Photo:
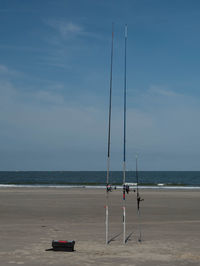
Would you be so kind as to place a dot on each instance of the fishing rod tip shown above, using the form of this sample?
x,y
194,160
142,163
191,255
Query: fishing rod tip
x,y
126,30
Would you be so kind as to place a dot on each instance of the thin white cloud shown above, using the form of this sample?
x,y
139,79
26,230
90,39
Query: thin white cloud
x,y
60,38
21,48
49,97
65,29
5,71
162,91
7,94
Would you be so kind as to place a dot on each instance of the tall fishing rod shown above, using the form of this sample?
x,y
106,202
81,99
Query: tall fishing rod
x,y
138,201
108,189
124,153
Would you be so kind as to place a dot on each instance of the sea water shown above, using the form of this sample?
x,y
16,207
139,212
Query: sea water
x,y
98,178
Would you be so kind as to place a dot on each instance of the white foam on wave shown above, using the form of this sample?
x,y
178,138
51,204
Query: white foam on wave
x,y
95,187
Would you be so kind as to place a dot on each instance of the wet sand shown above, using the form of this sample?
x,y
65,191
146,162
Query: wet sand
x,y
30,218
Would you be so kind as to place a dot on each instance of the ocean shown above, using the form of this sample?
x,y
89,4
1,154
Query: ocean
x,y
98,178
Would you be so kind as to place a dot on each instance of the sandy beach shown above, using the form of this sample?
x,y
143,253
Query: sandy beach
x,y
30,218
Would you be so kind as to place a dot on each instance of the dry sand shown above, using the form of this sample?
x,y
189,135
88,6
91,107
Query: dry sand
x,y
30,218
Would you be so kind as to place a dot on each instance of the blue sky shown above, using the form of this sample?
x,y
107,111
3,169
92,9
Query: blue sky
x,y
54,84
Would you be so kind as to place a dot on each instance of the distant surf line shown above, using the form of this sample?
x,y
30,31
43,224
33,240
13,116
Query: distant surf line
x,y
99,187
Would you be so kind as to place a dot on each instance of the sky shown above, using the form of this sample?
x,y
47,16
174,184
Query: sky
x,y
54,84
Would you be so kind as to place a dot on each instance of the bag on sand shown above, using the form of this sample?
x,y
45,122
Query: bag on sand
x,y
63,245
